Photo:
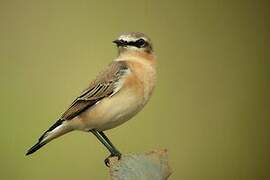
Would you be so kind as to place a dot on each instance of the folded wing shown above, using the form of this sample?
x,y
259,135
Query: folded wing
x,y
106,84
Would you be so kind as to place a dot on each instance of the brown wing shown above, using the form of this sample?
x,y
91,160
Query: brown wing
x,y
103,86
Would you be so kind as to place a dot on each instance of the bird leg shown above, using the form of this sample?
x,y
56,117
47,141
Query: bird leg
x,y
108,144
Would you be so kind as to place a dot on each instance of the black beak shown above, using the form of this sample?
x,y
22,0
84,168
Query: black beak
x,y
119,42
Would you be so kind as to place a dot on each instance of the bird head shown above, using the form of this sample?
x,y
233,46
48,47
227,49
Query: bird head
x,y
134,41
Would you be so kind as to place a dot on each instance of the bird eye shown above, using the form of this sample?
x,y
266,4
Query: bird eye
x,y
140,42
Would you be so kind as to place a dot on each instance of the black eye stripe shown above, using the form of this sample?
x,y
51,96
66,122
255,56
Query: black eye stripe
x,y
139,43
131,43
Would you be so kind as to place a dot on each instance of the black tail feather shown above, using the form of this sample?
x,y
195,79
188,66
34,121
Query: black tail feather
x,y
55,125
36,147
39,144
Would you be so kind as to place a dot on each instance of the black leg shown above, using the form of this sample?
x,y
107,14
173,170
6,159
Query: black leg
x,y
108,144
103,141
107,139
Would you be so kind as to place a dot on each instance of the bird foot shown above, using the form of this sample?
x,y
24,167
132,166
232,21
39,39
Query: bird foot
x,y
107,160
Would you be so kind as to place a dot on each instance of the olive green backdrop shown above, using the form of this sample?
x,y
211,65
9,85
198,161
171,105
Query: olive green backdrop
x,y
210,108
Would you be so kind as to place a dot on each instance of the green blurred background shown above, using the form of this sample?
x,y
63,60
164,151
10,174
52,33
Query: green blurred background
x,y
210,108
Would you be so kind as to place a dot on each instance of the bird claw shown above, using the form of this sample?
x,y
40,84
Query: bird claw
x,y
107,160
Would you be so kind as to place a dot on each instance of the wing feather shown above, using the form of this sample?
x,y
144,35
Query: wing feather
x,y
103,86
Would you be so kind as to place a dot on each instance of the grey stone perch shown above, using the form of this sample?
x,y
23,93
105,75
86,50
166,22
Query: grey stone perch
x,y
152,165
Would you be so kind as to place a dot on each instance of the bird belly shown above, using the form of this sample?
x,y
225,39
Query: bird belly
x,y
112,111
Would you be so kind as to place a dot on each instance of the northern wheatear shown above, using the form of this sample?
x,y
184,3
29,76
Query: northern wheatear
x,y
117,94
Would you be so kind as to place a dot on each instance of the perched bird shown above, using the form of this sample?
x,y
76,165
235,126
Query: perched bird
x,y
119,92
